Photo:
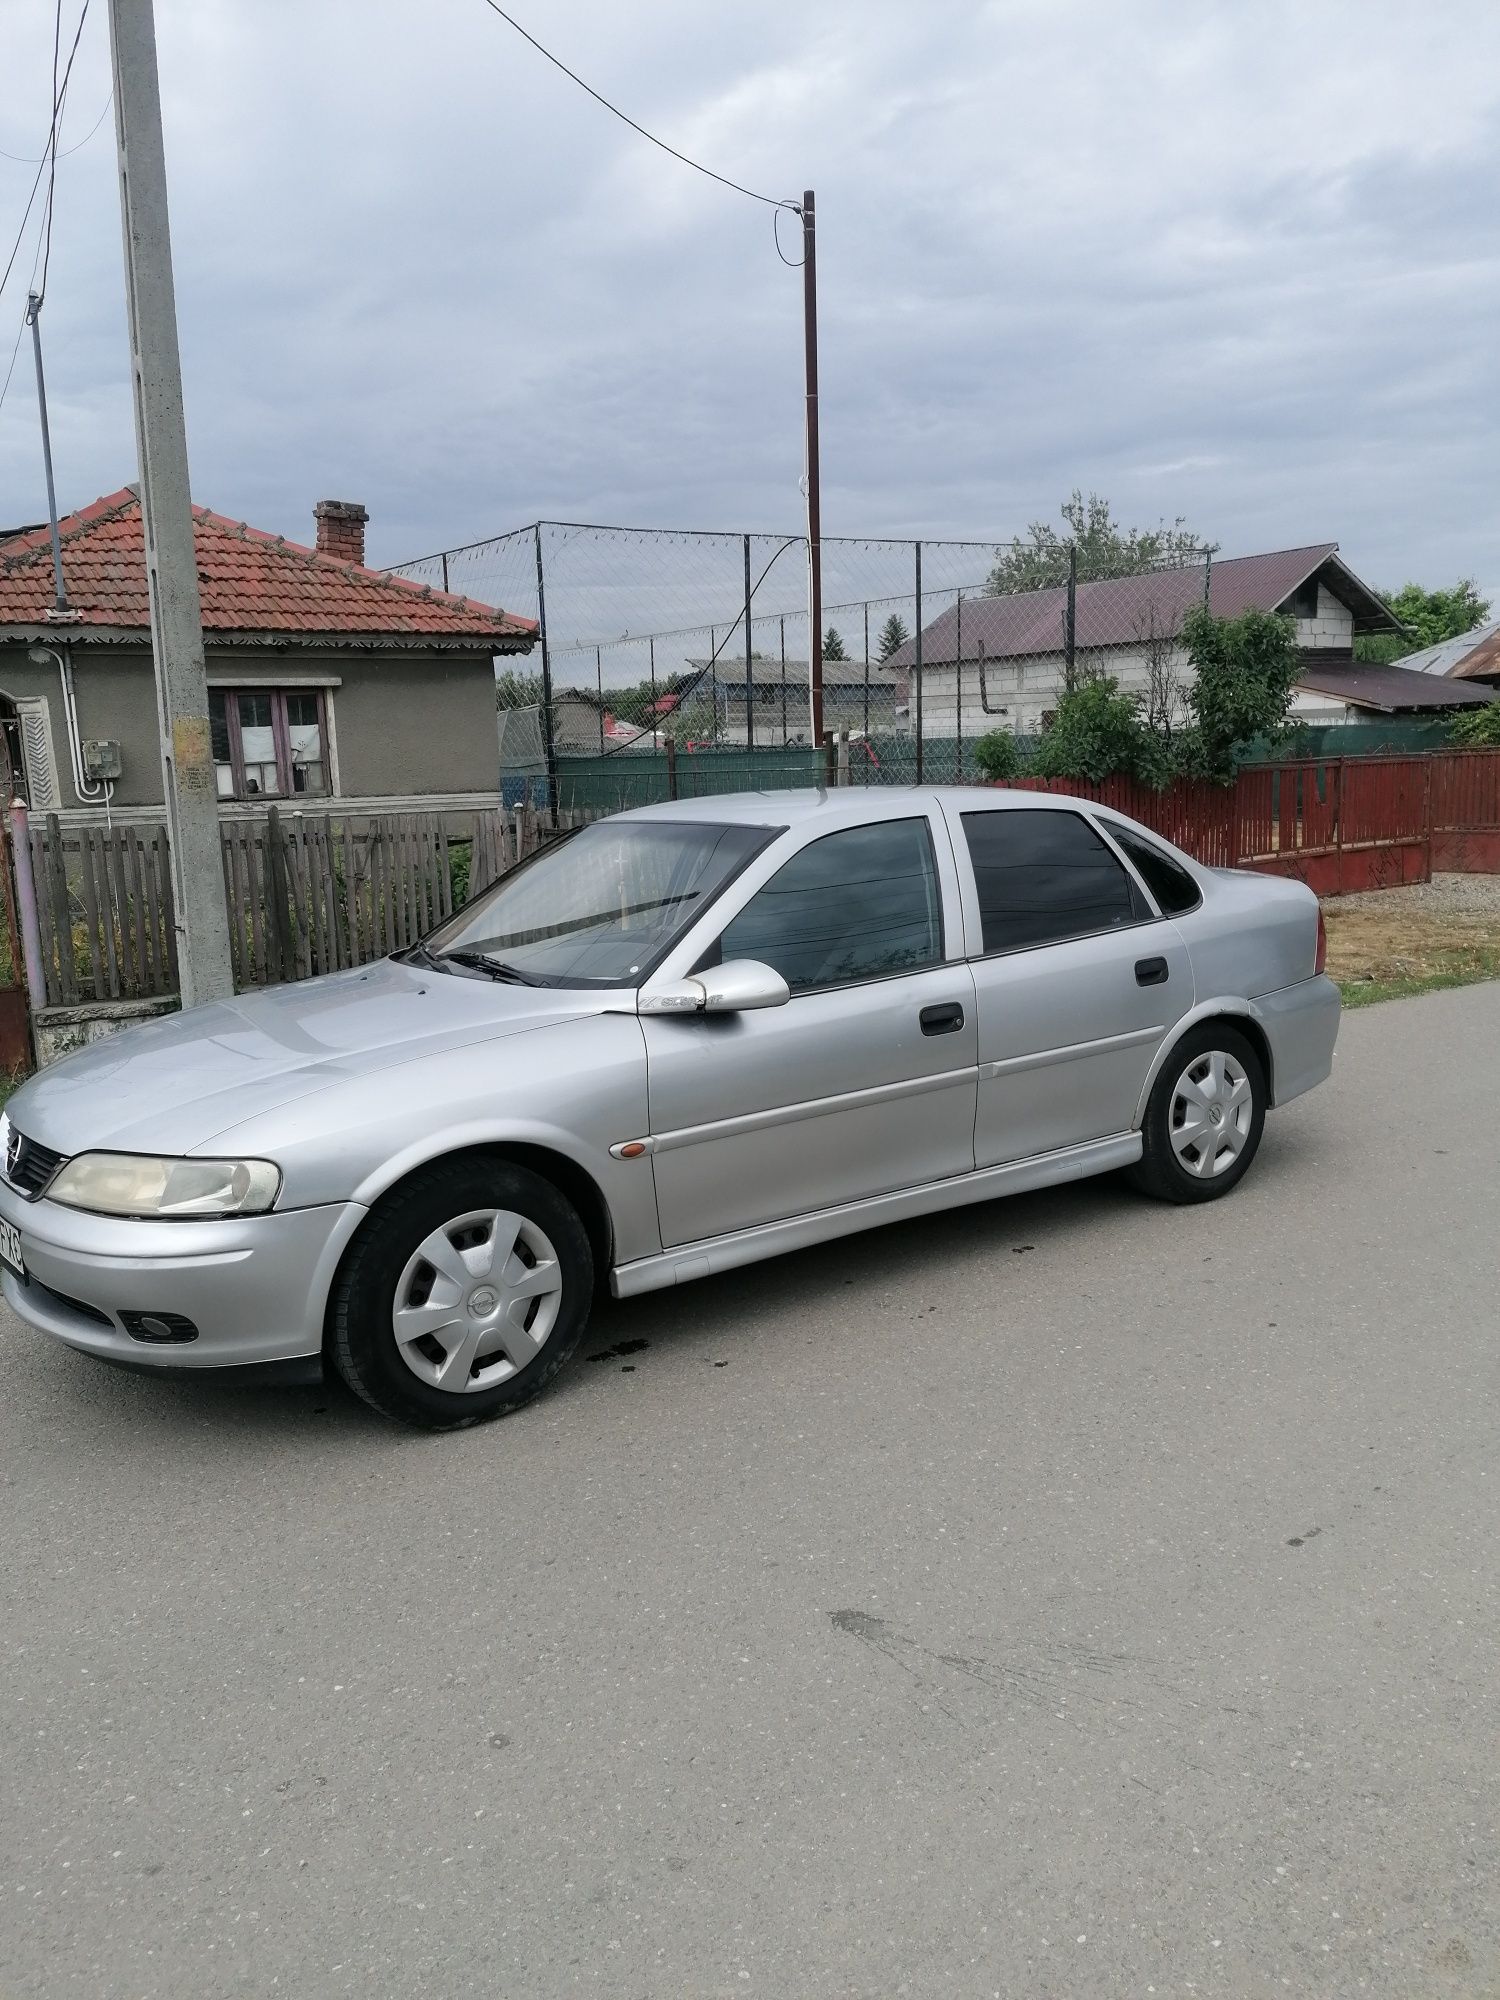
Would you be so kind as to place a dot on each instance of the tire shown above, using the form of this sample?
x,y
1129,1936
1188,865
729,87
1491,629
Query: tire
x,y
1213,1068
464,1293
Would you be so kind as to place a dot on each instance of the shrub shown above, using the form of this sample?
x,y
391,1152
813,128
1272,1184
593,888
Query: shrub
x,y
998,755
1244,671
1099,733
1479,729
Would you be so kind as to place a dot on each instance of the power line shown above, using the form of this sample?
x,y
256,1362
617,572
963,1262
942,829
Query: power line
x,y
771,201
52,141
57,103
32,159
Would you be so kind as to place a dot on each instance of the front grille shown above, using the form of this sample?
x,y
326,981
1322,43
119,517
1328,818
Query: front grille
x,y
29,1167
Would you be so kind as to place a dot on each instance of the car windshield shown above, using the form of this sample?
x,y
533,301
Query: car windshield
x,y
600,908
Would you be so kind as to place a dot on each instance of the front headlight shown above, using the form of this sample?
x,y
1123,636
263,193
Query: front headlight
x,y
139,1184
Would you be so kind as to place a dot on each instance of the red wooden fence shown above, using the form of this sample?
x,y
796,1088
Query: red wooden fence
x,y
1338,824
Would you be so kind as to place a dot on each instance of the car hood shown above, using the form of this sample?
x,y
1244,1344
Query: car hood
x,y
171,1085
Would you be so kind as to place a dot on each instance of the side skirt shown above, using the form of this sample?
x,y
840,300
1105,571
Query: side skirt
x,y
687,1261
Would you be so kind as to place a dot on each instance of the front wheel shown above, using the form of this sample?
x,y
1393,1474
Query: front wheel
x,y
464,1293
1205,1116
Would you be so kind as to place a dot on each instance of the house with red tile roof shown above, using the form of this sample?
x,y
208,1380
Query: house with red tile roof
x,y
330,683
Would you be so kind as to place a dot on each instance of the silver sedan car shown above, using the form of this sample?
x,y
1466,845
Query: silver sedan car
x,y
680,1040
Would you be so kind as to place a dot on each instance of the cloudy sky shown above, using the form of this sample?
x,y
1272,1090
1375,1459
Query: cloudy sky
x,y
1234,260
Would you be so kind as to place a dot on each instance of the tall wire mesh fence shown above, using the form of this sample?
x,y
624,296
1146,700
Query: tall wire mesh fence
x,y
676,662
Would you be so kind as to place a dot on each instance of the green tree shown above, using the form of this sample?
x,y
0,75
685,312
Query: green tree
x,y
893,636
998,755
1479,729
1099,733
517,690
1430,616
1244,672
1104,548
833,645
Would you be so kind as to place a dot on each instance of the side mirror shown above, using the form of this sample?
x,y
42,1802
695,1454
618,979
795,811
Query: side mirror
x,y
735,988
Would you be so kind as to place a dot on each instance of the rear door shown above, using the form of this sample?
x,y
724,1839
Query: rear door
x,y
865,1081
1078,978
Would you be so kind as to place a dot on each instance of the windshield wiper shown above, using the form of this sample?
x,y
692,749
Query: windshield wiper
x,y
493,968
472,961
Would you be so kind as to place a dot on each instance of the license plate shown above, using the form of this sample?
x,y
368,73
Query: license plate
x,y
10,1249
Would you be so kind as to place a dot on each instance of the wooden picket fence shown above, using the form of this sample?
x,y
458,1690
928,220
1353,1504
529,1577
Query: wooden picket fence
x,y
104,911
305,893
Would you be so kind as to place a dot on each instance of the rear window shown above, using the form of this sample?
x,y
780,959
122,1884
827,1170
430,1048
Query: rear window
x,y
1169,882
1046,875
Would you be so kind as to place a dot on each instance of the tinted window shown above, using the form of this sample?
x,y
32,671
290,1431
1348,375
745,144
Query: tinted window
x,y
1043,876
854,905
1171,885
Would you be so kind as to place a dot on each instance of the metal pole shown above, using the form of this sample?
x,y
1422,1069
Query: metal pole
x,y
549,741
34,321
749,670
783,684
599,692
814,497
444,560
31,930
866,772
917,662
191,791
958,675
655,718
1071,616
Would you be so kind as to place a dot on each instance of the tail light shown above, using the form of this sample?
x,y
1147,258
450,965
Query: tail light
x,y
1320,962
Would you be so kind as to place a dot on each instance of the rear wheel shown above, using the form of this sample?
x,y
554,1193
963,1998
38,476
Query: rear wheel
x,y
465,1292
1205,1116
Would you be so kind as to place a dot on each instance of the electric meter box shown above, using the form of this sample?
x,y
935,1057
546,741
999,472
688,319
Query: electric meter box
x,y
101,758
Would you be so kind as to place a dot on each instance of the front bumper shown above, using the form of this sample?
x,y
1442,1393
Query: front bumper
x,y
255,1286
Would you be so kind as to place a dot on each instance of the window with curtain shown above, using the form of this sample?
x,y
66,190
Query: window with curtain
x,y
269,743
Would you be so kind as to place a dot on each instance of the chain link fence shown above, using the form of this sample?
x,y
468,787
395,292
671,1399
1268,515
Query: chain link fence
x,y
676,662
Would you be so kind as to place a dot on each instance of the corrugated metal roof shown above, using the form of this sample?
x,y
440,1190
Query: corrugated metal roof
x,y
1391,690
1120,611
251,584
1467,657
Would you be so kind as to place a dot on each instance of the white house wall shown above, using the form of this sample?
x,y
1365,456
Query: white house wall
x,y
1029,688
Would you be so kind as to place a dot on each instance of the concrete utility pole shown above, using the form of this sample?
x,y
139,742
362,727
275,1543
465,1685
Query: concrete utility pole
x,y
166,512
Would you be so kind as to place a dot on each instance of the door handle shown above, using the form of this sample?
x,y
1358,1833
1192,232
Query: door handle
x,y
1151,972
946,1018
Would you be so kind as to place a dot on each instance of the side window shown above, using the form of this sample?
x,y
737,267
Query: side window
x,y
853,905
1169,882
1043,876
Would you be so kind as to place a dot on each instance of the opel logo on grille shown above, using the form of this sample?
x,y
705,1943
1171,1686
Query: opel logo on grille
x,y
12,1152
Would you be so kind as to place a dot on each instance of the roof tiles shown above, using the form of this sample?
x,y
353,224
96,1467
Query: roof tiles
x,y
250,584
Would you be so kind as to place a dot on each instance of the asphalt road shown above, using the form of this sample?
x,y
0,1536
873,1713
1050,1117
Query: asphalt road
x,y
1065,1597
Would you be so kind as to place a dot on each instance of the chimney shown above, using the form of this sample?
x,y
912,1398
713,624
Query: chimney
x,y
341,530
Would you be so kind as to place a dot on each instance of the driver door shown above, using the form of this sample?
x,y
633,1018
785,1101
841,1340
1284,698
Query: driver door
x,y
864,1082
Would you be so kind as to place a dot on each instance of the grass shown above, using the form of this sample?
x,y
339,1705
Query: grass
x,y
1469,965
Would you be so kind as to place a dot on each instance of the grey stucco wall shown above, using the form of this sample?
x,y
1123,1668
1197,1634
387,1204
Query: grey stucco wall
x,y
417,725
116,700
402,724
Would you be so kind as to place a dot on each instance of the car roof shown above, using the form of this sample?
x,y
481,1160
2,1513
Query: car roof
x,y
845,805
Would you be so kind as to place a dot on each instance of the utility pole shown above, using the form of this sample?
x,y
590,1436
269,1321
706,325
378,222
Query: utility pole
x,y
190,790
814,500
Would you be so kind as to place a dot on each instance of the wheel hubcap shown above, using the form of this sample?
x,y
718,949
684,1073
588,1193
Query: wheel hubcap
x,y
1212,1106
477,1300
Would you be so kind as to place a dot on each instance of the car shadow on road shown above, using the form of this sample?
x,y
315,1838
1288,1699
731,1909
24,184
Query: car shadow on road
x,y
59,1389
